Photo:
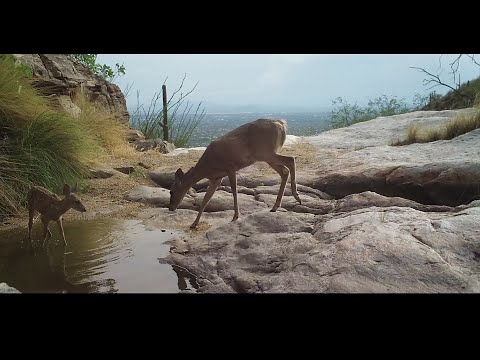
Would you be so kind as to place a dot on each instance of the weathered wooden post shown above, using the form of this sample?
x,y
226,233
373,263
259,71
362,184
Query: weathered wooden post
x,y
165,115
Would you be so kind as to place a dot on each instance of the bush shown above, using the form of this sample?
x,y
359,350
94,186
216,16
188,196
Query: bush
x,y
346,114
104,70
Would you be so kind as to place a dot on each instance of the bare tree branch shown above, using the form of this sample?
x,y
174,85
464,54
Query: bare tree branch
x,y
454,66
436,79
472,57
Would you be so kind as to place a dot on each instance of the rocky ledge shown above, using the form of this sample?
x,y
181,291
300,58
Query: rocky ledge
x,y
374,218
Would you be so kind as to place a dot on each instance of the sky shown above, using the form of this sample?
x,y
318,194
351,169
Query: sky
x,y
283,82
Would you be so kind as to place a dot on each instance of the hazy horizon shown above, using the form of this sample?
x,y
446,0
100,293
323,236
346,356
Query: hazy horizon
x,y
281,83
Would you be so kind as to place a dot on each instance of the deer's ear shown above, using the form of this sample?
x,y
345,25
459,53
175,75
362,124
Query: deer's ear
x,y
179,174
67,189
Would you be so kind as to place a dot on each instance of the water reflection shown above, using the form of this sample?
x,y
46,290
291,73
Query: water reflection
x,y
183,275
106,256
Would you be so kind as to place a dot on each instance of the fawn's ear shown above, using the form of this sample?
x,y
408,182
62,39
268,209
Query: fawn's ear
x,y
67,189
179,174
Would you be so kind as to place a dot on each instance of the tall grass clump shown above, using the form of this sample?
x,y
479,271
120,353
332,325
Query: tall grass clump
x,y
102,126
40,145
451,129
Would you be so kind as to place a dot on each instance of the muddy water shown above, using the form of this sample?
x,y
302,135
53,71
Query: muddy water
x,y
101,256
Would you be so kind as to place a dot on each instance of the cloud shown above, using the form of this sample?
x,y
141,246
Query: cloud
x,y
280,68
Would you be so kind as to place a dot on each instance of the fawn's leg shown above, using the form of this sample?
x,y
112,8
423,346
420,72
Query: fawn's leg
x,y
46,231
212,187
232,177
283,172
31,212
60,227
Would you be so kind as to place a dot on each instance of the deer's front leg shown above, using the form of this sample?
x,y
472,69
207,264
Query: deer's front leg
x,y
60,227
31,213
46,232
212,187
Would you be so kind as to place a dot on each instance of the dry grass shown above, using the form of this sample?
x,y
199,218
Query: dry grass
x,y
451,129
103,126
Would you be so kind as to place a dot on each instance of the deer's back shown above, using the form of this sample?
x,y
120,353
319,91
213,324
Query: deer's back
x,y
42,199
254,141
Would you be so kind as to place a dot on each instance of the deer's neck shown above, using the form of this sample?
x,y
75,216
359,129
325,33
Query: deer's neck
x,y
62,207
196,174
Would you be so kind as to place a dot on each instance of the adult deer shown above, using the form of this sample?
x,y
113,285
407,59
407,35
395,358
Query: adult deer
x,y
51,208
259,140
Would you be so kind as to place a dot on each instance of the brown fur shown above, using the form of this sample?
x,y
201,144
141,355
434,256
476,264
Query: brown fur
x,y
51,208
259,140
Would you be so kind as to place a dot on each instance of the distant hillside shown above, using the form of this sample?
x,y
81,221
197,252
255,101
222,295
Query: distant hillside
x,y
466,96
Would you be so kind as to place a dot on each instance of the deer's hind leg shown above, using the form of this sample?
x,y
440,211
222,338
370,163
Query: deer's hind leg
x,y
31,213
46,231
232,177
283,172
289,162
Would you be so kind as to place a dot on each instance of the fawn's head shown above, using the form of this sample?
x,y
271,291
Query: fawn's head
x,y
178,190
73,199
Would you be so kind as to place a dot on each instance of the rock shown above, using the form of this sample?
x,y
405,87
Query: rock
x,y
382,130
182,218
125,169
134,135
157,197
153,144
290,140
368,199
223,200
417,234
391,249
179,151
58,75
288,191
162,178
5,289
100,173
359,158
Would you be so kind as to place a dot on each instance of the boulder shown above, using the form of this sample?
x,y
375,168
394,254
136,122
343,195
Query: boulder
x,y
60,77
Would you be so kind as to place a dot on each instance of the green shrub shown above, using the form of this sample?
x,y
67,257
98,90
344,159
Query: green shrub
x,y
345,114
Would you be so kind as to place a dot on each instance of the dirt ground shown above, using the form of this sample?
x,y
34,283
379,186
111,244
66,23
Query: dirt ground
x,y
105,197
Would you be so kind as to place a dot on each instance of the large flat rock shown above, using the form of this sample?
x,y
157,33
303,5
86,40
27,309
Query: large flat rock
x,y
360,158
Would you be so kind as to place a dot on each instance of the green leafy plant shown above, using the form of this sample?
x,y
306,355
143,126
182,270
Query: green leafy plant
x,y
345,114
103,70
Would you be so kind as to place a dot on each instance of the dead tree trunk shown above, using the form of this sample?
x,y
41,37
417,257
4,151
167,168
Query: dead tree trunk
x,y
165,113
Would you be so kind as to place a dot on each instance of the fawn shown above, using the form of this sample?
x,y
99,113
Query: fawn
x,y
51,208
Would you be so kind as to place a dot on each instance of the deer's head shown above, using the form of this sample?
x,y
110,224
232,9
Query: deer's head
x,y
73,199
177,190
